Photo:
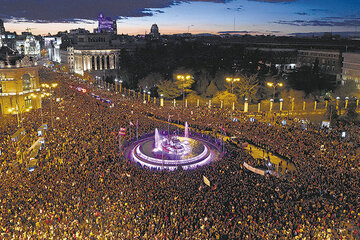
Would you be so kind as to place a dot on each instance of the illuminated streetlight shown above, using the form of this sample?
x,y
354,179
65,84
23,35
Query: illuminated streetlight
x,y
273,85
232,80
183,78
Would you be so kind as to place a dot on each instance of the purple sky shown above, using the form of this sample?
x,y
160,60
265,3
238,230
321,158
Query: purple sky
x,y
279,17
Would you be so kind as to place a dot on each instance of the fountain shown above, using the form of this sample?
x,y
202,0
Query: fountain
x,y
164,151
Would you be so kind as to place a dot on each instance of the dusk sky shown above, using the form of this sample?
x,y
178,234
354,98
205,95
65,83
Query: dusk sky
x,y
279,17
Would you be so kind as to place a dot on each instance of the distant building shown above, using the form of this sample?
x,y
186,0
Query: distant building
x,y
106,25
154,32
351,68
79,31
329,62
67,58
2,28
28,45
52,48
284,59
19,82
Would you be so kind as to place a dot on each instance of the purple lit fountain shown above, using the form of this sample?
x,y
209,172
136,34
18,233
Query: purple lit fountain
x,y
163,151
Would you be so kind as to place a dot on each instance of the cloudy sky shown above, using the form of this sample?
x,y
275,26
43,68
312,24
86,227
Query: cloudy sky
x,y
278,17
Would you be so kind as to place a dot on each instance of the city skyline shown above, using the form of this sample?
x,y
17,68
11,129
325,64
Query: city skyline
x,y
277,17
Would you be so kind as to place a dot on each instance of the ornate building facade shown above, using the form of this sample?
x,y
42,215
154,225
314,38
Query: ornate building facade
x,y
19,83
95,60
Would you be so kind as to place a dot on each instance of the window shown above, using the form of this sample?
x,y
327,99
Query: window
x,y
0,88
27,101
26,82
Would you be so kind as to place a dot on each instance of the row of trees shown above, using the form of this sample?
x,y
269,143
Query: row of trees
x,y
155,67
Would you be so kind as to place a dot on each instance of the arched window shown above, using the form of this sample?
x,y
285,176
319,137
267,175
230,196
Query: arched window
x,y
0,88
26,82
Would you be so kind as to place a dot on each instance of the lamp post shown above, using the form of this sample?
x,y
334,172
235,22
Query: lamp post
x,y
273,85
183,78
161,100
120,89
232,80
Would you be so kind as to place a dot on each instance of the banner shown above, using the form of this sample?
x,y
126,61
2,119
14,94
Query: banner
x,y
206,181
254,170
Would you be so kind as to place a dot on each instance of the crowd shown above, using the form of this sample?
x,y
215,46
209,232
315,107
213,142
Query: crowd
x,y
84,188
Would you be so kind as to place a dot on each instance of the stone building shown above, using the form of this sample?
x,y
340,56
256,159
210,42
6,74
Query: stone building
x,y
95,60
330,62
351,68
19,83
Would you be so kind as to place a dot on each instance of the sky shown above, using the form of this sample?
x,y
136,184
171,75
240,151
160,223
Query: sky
x,y
277,17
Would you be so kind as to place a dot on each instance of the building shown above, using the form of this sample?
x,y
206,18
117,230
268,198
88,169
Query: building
x,y
330,62
19,83
106,25
67,58
28,45
2,28
284,59
351,68
154,32
52,48
95,60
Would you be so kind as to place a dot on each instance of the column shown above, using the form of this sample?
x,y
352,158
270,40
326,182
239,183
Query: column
x,y
89,62
246,106
115,61
259,107
100,57
105,62
111,58
95,62
315,103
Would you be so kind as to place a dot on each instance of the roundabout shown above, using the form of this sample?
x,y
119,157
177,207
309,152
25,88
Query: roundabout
x,y
163,151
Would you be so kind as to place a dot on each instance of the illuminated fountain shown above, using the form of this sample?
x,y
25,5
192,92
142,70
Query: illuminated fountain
x,y
164,151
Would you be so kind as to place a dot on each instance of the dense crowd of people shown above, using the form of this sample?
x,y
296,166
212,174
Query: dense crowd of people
x,y
84,188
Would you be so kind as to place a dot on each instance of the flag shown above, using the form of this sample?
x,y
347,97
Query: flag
x,y
206,181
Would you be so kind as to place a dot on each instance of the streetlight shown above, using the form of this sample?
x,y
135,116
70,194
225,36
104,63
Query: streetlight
x,y
273,85
232,80
183,78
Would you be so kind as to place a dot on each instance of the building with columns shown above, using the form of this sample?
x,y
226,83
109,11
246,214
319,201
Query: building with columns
x,y
95,60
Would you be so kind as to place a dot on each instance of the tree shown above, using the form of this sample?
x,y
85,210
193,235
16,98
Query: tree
x,y
211,90
183,79
168,89
247,87
309,79
346,90
201,81
150,80
226,97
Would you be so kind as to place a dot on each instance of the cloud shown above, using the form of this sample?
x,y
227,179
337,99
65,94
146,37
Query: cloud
x,y
273,1
238,32
319,10
237,9
322,23
55,11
